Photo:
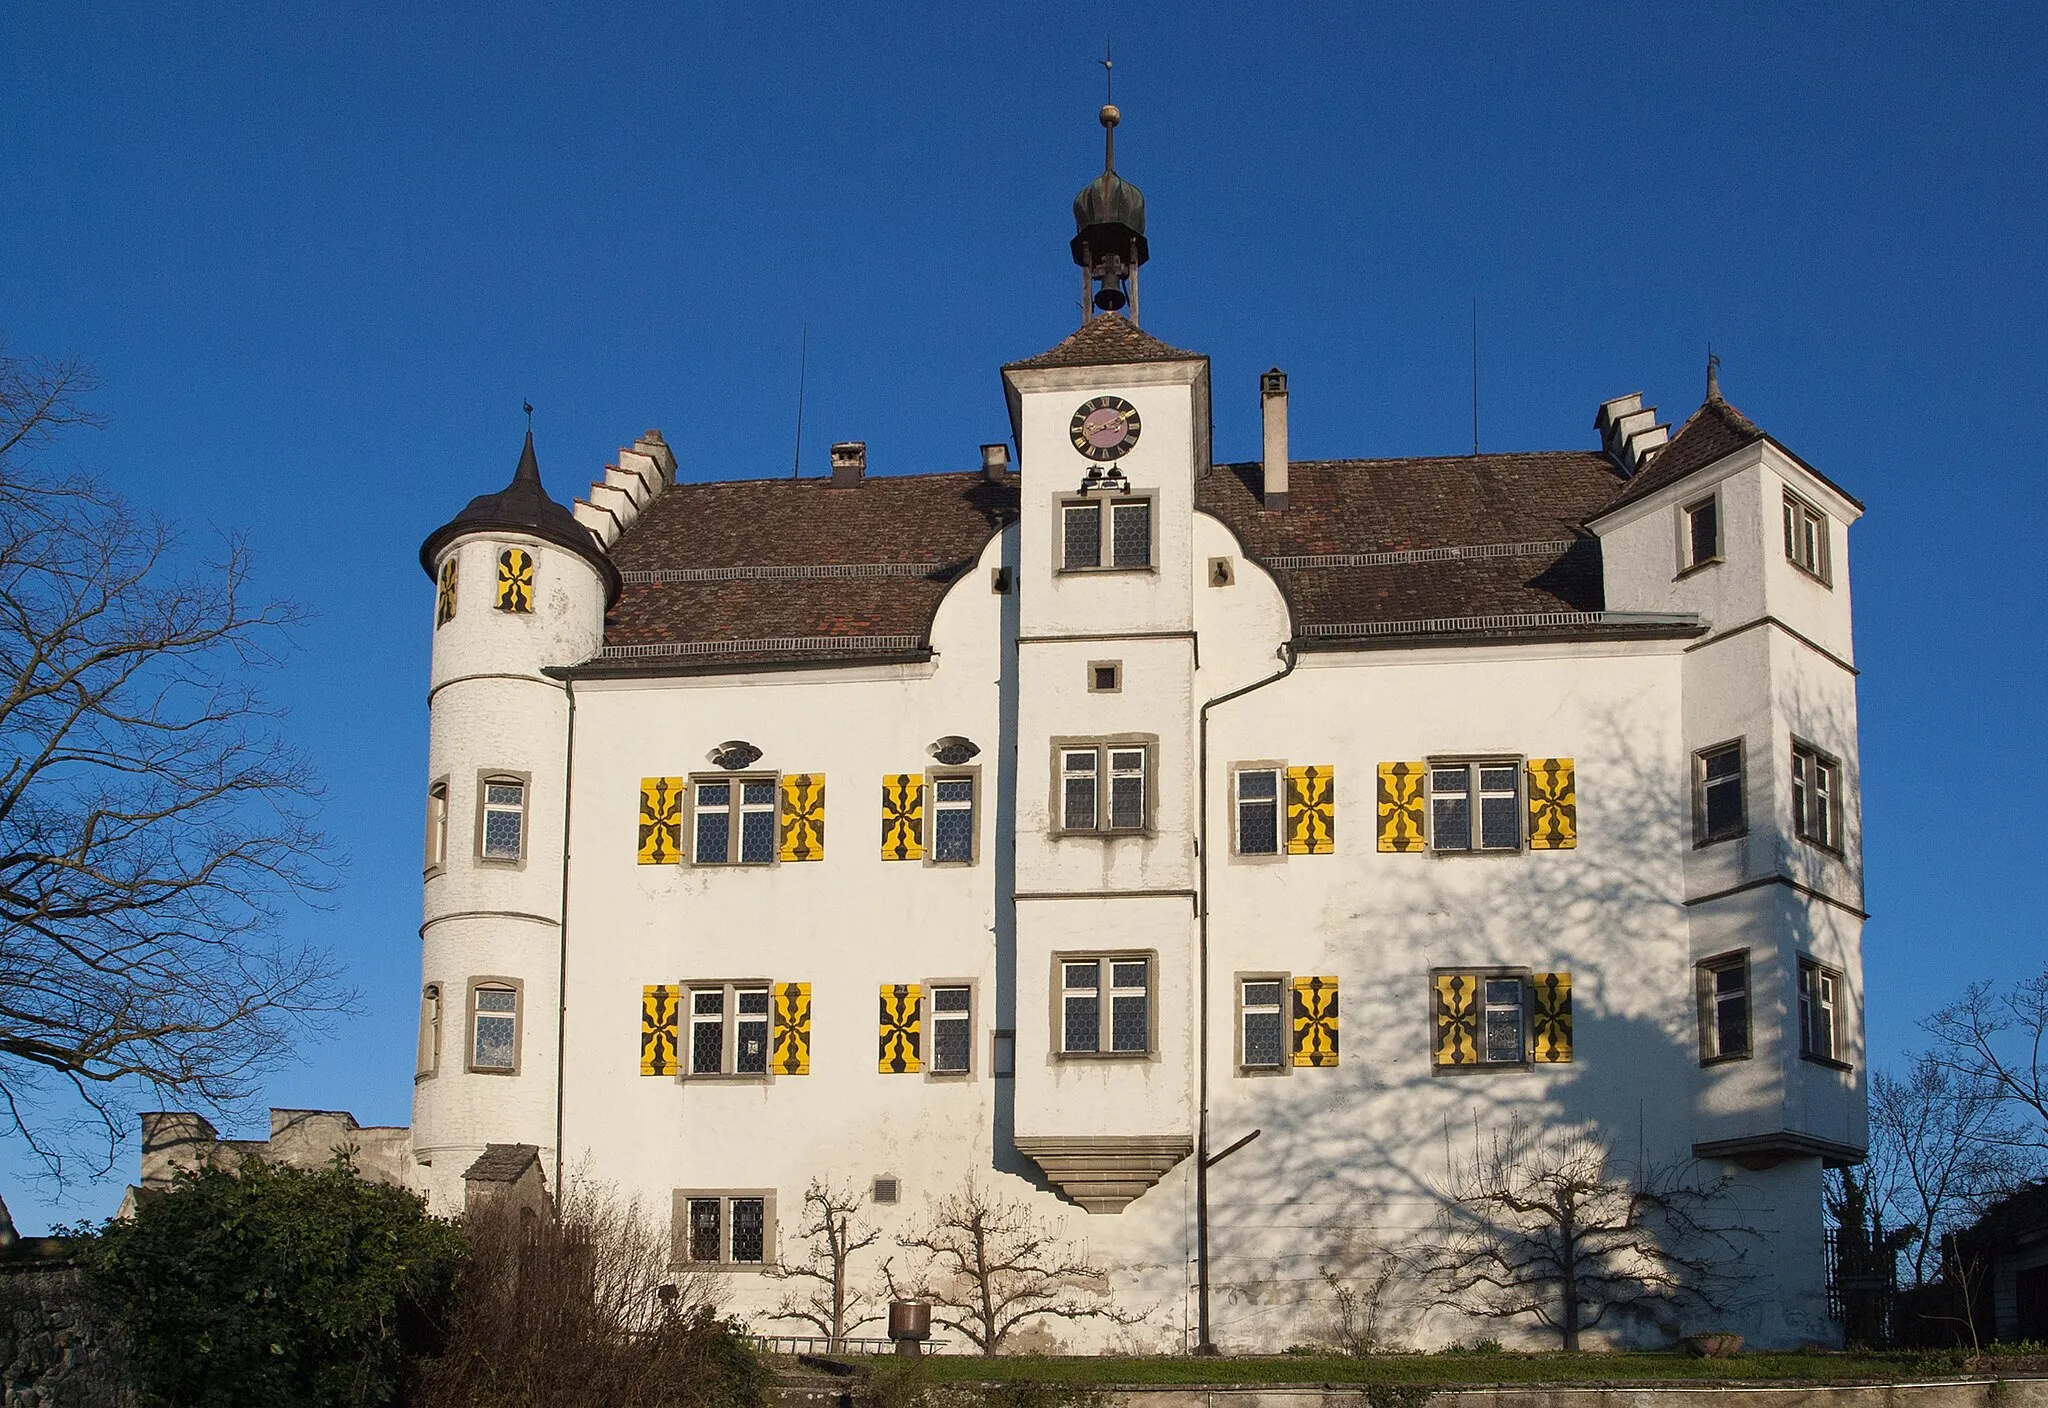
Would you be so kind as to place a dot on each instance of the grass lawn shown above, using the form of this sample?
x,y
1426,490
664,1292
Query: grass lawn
x,y
1893,1367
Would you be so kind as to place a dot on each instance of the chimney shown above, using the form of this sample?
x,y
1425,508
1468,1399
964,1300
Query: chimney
x,y
1273,408
849,463
995,462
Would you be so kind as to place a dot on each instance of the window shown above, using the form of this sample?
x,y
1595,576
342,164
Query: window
x,y
1091,1026
1261,1036
494,1026
1702,533
1820,1013
1816,797
504,819
1724,1007
1105,676
1258,811
1806,537
430,1030
952,1030
952,819
729,1029
1495,788
1718,811
725,1230
1105,786
1085,547
1501,1022
735,820
437,825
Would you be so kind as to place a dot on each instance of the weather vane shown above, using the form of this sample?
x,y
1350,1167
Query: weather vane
x,y
529,414
1108,76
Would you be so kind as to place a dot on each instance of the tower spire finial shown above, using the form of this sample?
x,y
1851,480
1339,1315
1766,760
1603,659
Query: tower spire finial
x,y
1713,374
1109,115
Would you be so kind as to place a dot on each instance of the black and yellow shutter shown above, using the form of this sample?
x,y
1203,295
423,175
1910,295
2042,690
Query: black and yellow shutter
x,y
1311,811
1552,1019
1553,805
901,1029
1315,1022
1454,1013
1401,803
515,580
903,816
444,597
659,1006
803,817
661,820
792,1053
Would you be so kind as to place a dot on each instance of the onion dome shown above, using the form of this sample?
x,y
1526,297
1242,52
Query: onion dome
x,y
523,506
1109,224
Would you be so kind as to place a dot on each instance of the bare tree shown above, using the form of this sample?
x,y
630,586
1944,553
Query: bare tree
x,y
1943,1147
989,1265
2001,1040
152,818
1566,1234
832,1232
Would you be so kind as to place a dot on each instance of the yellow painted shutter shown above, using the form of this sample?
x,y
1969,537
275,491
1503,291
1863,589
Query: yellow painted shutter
x,y
444,600
1553,805
901,1028
903,816
803,816
515,580
659,1006
792,1053
1454,1006
1315,1022
1311,811
1401,803
1553,1024
661,820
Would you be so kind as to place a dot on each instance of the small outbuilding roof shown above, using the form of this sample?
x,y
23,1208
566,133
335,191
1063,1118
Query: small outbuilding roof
x,y
503,1163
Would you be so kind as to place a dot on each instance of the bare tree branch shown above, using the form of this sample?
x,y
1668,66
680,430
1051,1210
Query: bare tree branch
x,y
833,1232
2001,1040
153,820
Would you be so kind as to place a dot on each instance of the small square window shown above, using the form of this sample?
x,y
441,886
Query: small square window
x,y
1702,532
1718,808
1105,677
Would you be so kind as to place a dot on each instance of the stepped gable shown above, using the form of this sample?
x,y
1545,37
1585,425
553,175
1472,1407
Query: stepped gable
x,y
1404,505
934,522
1108,339
1715,430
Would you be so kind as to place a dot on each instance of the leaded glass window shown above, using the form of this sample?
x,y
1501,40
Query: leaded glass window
x,y
504,818
1258,812
749,1229
1502,1035
1130,526
1130,1006
952,819
952,1029
1492,791
1081,1007
495,1034
1082,544
1259,1006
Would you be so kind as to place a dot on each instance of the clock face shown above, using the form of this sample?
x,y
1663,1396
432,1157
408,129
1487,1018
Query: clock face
x,y
1105,428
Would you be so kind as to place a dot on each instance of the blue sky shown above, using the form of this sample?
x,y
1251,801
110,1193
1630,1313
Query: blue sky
x,y
320,254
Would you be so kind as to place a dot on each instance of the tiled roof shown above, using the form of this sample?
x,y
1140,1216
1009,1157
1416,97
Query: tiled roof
x,y
1105,340
876,560
1714,430
502,1163
1521,511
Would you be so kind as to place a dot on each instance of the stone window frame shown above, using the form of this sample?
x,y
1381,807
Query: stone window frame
x,y
1105,543
1115,682
970,773
435,859
496,982
1278,855
679,1230
1285,1065
1472,763
433,1009
1103,744
1701,836
686,1018
1706,971
1104,1014
693,781
928,1013
501,776
1690,559
1525,976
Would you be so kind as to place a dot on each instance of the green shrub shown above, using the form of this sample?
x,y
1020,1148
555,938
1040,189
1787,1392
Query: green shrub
x,y
275,1286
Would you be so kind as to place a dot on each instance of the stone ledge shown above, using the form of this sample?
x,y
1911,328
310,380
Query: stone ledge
x,y
1104,1172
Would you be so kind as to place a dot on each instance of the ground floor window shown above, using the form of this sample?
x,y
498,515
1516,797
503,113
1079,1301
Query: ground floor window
x,y
725,1228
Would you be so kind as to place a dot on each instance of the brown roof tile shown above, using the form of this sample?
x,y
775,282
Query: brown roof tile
x,y
1713,431
1107,339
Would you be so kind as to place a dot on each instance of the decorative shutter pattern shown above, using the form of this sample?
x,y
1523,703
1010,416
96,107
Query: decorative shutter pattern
x,y
903,816
515,580
1552,1026
1454,1006
902,1027
803,816
792,1051
1401,806
444,599
661,820
1553,805
1315,1022
658,1008
1311,811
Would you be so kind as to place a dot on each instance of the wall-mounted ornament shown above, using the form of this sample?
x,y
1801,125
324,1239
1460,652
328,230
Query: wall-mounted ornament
x,y
734,754
953,750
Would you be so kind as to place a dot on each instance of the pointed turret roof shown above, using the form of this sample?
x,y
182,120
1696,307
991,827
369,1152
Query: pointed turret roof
x,y
523,506
1108,339
1709,435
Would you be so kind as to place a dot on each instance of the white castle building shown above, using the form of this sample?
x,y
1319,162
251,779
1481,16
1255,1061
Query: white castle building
x,y
1063,822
